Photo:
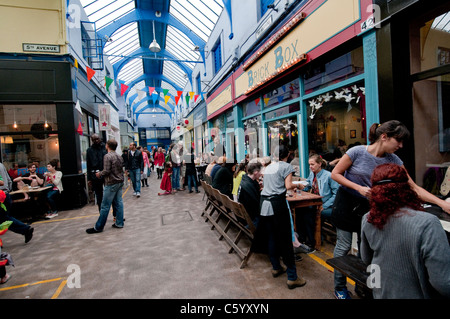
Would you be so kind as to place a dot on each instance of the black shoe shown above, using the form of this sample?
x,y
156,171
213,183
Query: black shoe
x,y
190,192
197,191
115,226
92,231
29,234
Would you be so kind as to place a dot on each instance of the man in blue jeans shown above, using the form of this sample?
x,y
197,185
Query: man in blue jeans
x,y
112,194
135,167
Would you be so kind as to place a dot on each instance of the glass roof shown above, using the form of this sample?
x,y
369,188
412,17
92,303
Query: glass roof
x,y
169,69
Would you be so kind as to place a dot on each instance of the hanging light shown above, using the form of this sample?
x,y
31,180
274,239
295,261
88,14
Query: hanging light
x,y
154,46
15,124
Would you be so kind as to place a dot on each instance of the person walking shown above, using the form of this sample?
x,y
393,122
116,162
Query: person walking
x,y
94,163
53,178
159,162
353,173
135,167
146,161
398,236
191,172
176,167
112,195
275,221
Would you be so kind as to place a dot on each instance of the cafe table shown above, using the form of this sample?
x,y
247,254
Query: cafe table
x,y
28,189
304,199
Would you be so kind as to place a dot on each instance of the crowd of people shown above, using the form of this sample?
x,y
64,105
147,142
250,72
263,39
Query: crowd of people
x,y
367,191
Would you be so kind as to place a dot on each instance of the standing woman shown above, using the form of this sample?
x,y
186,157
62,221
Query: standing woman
x,y
353,173
159,162
53,178
275,220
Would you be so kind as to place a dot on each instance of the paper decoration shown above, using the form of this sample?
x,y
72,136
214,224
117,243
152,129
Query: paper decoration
x,y
80,129
191,95
155,97
179,93
177,98
166,98
165,91
123,88
266,100
90,73
108,82
75,64
78,107
150,90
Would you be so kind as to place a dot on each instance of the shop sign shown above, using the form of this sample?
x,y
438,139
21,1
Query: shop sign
x,y
104,118
222,99
50,48
280,54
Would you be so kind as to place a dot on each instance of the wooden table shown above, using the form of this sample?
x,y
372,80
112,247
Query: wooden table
x,y
30,190
305,199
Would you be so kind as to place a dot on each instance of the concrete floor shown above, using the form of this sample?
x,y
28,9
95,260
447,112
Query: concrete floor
x,y
165,250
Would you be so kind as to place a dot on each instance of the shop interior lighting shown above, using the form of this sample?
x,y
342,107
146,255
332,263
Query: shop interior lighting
x,y
274,39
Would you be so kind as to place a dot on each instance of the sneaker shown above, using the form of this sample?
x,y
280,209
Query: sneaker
x,y
303,249
115,226
298,257
138,194
342,294
278,272
52,215
299,282
92,231
134,194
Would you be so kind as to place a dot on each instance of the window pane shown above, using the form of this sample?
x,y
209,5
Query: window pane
x,y
294,107
251,107
431,114
336,121
253,137
342,68
286,92
284,132
28,118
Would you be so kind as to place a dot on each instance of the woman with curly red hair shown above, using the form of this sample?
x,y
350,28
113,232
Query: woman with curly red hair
x,y
353,173
407,244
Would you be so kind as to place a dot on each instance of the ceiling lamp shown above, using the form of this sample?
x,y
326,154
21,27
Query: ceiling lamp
x,y
154,46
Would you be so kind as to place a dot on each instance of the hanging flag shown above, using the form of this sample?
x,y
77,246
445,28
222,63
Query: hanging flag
x,y
179,93
75,64
196,97
155,97
123,88
201,95
80,129
280,99
150,90
78,107
266,101
257,101
165,91
166,98
90,73
187,99
177,98
191,94
108,82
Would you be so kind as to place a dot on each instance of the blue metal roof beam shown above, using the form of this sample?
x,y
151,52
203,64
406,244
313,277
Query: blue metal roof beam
x,y
149,15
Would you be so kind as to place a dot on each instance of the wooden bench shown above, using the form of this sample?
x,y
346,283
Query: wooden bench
x,y
354,268
225,214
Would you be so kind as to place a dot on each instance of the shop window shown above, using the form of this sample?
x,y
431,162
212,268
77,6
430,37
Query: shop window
x,y
282,94
251,107
341,68
253,137
217,56
291,108
431,114
430,43
284,132
336,121
264,4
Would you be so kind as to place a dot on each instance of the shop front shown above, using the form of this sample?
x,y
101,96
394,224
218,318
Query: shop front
x,y
314,94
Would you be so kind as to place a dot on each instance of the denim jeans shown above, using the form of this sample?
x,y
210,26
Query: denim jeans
x,y
112,195
135,175
176,177
343,246
191,180
51,197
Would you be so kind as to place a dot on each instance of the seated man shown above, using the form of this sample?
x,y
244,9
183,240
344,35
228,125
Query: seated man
x,y
249,192
31,179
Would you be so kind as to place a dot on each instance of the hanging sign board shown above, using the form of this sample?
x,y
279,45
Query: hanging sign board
x,y
104,118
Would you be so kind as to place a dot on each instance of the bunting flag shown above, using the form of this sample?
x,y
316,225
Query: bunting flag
x,y
280,99
123,88
177,98
179,93
266,100
196,97
141,95
166,98
80,129
165,91
187,99
191,95
75,64
90,73
257,101
108,82
155,98
150,90
78,107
